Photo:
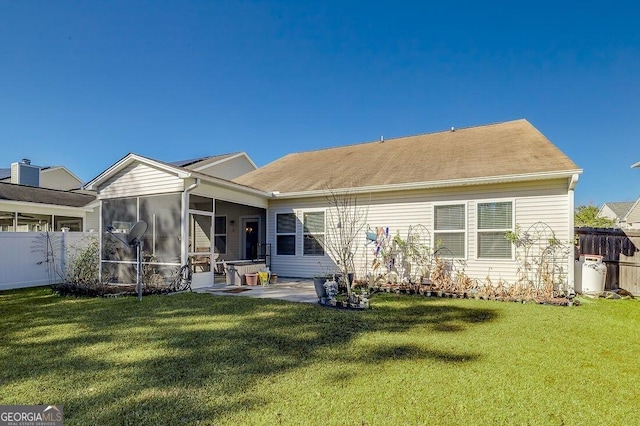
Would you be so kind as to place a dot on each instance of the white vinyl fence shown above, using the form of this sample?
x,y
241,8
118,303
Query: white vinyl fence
x,y
29,259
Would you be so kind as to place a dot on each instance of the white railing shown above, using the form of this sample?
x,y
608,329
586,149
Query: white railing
x,y
29,259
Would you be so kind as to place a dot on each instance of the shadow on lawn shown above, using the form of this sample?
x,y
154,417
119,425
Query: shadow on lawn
x,y
194,357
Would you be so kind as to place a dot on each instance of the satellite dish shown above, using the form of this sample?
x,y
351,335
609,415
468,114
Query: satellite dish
x,y
136,232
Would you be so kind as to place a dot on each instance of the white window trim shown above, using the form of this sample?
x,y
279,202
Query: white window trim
x,y
465,204
277,234
479,231
324,234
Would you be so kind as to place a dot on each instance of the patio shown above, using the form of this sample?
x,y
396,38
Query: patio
x,y
291,289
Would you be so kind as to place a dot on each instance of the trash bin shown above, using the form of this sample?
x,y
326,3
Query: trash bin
x,y
594,274
232,276
577,274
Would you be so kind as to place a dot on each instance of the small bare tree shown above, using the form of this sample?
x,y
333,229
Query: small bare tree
x,y
345,223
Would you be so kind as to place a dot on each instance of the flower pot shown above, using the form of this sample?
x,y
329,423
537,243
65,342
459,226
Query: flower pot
x,y
251,278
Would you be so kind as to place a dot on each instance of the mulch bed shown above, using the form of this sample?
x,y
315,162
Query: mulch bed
x,y
433,292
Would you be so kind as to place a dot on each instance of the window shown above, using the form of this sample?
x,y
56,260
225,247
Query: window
x,y
7,221
494,219
286,234
73,223
450,230
220,234
313,234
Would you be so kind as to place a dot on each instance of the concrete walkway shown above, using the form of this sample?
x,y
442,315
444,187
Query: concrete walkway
x,y
291,289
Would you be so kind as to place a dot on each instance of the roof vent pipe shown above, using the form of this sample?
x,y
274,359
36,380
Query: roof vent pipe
x,y
453,129
382,138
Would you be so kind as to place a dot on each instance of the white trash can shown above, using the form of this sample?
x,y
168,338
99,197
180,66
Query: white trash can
x,y
577,274
594,274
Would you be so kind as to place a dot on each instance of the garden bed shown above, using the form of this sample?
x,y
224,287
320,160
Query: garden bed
x,y
480,294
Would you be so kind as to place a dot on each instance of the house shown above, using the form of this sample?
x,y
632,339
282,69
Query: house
x,y
28,206
52,177
632,218
616,211
464,187
194,213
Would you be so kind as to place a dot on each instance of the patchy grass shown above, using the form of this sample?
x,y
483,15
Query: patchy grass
x,y
203,359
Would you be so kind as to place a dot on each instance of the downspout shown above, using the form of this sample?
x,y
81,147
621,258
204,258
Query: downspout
x,y
570,261
184,221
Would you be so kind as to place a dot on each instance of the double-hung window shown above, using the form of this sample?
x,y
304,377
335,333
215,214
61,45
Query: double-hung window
x,y
450,230
494,219
313,233
286,234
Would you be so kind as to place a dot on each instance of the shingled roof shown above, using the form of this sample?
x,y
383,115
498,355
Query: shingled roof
x,y
620,208
503,149
13,192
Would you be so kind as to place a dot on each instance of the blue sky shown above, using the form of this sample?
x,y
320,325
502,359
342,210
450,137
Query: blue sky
x,y
82,83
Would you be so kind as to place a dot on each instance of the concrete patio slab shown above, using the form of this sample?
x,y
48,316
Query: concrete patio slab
x,y
291,289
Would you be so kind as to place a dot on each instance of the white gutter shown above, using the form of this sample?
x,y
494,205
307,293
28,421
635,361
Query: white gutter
x,y
635,165
184,220
47,206
571,205
433,184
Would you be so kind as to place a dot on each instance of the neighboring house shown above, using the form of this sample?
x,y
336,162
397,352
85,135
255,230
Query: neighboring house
x,y
52,177
227,166
31,209
466,187
632,217
193,211
616,211
34,198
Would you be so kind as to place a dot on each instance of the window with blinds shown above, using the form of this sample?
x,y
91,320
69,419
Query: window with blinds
x,y
286,234
494,219
450,230
313,233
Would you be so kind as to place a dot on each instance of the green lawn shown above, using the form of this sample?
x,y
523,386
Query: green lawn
x,y
203,359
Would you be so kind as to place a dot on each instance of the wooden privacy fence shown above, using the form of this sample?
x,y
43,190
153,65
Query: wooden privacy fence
x,y
620,250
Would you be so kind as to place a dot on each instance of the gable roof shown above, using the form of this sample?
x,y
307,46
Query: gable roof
x,y
180,172
31,194
203,163
208,159
620,209
513,150
5,173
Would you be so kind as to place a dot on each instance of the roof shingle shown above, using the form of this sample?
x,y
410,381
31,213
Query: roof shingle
x,y
503,149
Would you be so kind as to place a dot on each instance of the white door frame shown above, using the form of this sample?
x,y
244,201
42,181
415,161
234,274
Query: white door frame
x,y
243,235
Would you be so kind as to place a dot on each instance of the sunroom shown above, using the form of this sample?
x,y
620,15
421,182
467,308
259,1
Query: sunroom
x,y
192,219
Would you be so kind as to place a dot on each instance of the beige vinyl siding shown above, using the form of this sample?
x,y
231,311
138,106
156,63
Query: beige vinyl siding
x,y
92,220
633,218
58,178
232,196
140,179
229,169
544,201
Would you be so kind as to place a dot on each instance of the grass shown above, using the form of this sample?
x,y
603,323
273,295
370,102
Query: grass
x,y
203,359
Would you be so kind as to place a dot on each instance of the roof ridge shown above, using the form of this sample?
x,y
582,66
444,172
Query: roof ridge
x,y
455,129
